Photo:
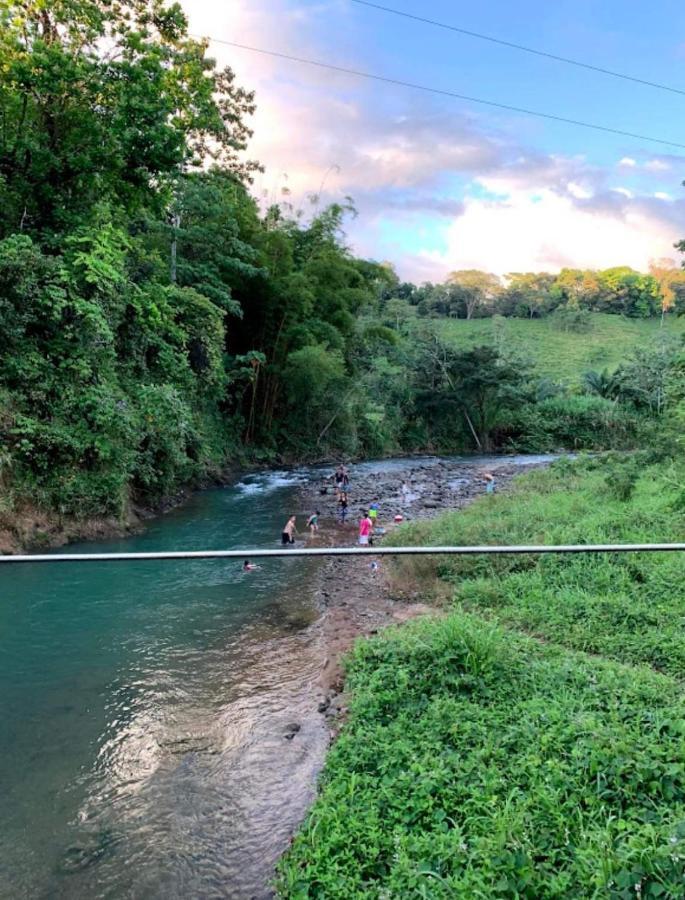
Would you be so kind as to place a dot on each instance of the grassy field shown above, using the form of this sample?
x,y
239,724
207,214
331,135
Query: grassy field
x,y
562,355
531,744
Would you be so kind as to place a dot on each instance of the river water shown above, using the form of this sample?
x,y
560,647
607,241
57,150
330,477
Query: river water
x,y
144,709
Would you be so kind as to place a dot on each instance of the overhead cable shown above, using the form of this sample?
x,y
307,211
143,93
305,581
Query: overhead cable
x,y
511,44
445,93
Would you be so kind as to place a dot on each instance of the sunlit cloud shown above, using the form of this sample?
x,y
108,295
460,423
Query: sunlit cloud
x,y
437,188
657,165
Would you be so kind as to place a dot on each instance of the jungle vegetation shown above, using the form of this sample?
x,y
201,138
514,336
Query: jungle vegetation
x,y
158,321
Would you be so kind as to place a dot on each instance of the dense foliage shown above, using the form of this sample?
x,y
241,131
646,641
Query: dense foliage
x,y
481,762
157,323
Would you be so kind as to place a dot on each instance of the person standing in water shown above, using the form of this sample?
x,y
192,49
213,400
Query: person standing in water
x,y
365,526
342,503
373,514
489,480
289,529
340,480
313,522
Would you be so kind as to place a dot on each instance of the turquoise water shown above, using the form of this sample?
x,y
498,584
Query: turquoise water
x,y
143,708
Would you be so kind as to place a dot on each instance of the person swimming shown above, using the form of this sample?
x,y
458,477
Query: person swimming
x,y
249,566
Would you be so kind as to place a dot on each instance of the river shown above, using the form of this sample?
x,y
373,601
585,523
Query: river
x,y
144,709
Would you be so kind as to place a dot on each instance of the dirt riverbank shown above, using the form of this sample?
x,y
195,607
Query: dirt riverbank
x,y
27,528
357,599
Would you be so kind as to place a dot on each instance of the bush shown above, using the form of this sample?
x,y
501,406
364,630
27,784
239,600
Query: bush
x,y
574,422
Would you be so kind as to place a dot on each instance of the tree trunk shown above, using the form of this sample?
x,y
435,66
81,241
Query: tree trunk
x,y
175,223
473,430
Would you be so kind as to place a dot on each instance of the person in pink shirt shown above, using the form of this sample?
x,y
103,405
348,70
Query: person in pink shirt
x,y
365,526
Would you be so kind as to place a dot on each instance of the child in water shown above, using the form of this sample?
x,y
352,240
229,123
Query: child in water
x,y
489,480
313,522
249,567
365,526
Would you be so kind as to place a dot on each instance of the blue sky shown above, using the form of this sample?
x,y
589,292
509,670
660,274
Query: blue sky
x,y
441,184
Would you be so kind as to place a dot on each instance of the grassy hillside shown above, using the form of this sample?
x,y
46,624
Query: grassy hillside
x,y
557,354
530,744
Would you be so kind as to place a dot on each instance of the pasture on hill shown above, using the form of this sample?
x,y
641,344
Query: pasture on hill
x,y
558,354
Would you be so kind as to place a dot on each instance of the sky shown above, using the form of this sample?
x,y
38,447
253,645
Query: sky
x,y
442,184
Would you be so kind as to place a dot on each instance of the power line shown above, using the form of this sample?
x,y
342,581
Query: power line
x,y
503,43
445,93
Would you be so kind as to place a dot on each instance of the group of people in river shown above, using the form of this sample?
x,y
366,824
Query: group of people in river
x,y
341,484
368,524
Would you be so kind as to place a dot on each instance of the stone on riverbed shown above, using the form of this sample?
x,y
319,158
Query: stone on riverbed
x,y
291,730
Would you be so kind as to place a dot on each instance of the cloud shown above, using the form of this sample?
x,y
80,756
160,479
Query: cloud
x,y
551,232
657,165
437,188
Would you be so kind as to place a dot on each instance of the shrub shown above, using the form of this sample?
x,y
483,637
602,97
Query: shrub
x,y
574,422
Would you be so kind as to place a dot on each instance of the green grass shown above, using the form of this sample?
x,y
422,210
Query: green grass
x,y
478,764
627,607
531,744
562,355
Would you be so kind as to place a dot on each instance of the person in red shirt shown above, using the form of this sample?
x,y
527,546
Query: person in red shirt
x,y
365,526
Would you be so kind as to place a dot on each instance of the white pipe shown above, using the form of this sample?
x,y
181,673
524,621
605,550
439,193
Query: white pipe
x,y
255,553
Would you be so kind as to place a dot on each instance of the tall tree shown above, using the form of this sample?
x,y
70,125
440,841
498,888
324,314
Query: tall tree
x,y
477,289
106,101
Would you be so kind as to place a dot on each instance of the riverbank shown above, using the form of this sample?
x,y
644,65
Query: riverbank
x,y
529,742
358,599
25,527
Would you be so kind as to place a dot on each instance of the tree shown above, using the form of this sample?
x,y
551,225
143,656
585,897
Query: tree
x,y
527,295
575,288
628,292
83,124
214,218
479,384
476,290
602,384
644,380
671,281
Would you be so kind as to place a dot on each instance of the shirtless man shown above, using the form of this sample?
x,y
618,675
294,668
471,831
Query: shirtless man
x,y
287,535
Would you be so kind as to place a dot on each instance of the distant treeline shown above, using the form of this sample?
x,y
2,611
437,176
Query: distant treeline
x,y
471,294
